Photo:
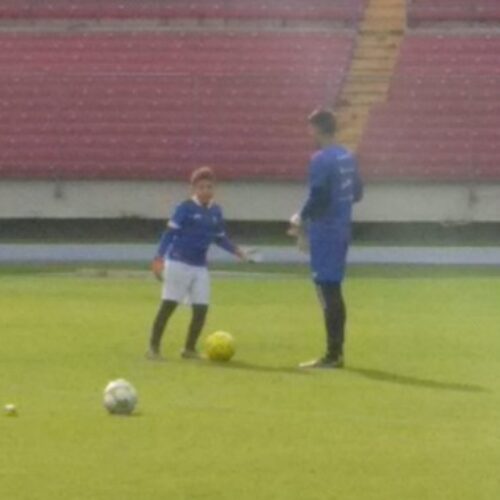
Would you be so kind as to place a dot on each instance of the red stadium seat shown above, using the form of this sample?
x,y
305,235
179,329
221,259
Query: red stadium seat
x,y
435,11
442,119
348,11
153,106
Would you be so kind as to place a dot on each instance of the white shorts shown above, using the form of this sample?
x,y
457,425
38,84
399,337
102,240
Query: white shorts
x,y
187,284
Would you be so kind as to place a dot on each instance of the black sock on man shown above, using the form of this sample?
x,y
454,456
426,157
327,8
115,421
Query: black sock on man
x,y
195,328
167,308
335,318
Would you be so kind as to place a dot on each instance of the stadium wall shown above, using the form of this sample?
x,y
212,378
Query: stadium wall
x,y
244,201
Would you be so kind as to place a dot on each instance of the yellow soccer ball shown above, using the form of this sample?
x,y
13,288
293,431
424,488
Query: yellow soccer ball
x,y
219,346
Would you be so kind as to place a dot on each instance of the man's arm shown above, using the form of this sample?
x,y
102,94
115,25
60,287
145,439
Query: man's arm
x,y
319,190
358,187
316,204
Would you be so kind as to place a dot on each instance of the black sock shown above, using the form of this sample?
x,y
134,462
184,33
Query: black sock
x,y
335,317
197,323
167,307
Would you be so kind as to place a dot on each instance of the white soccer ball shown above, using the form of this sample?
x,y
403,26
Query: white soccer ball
x,y
120,397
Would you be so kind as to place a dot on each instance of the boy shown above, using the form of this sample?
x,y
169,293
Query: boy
x,y
181,260
334,186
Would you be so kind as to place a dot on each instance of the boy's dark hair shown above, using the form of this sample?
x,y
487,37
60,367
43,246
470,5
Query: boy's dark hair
x,y
324,120
202,174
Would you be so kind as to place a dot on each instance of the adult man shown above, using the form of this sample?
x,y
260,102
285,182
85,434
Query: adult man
x,y
334,186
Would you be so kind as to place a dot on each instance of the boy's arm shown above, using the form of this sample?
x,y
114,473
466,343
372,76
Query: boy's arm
x,y
174,227
223,241
166,240
159,260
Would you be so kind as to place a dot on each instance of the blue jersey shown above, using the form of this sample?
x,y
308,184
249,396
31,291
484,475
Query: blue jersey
x,y
192,229
334,186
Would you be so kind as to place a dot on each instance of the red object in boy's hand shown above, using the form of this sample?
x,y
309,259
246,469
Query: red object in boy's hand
x,y
157,268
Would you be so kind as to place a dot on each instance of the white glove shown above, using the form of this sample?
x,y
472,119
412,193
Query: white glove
x,y
295,220
254,256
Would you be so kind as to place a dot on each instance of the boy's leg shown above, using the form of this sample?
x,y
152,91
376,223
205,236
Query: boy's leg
x,y
167,308
200,298
175,287
195,328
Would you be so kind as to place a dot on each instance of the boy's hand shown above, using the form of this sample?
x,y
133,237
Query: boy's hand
x,y
157,267
241,254
251,255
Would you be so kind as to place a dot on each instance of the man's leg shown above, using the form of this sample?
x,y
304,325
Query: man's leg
x,y
335,318
167,308
195,328
332,302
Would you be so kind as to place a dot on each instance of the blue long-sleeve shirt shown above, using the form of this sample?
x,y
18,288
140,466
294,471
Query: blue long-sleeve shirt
x,y
191,230
334,186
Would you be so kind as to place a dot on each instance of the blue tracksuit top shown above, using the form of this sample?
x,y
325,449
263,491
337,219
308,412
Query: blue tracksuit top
x,y
334,186
191,230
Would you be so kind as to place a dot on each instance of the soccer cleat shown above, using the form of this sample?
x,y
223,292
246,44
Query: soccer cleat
x,y
191,354
325,363
153,355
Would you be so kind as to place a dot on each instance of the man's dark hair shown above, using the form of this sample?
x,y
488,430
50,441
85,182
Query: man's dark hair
x,y
324,120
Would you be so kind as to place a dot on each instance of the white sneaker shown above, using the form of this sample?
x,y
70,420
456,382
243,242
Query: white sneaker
x,y
191,354
154,356
323,363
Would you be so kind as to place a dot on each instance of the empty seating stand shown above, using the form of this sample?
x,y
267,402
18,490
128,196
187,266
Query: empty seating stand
x,y
442,118
436,11
334,10
155,105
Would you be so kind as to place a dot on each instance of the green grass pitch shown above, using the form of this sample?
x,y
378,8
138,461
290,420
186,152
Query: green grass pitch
x,y
415,416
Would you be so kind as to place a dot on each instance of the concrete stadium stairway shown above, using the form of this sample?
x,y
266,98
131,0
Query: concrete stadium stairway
x,y
375,54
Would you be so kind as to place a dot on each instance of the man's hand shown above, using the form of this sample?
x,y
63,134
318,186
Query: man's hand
x,y
157,267
294,229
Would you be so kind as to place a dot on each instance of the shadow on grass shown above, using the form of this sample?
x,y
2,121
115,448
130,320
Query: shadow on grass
x,y
393,378
242,365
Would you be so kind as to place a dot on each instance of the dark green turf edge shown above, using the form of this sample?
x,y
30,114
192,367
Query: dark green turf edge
x,y
135,230
355,271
